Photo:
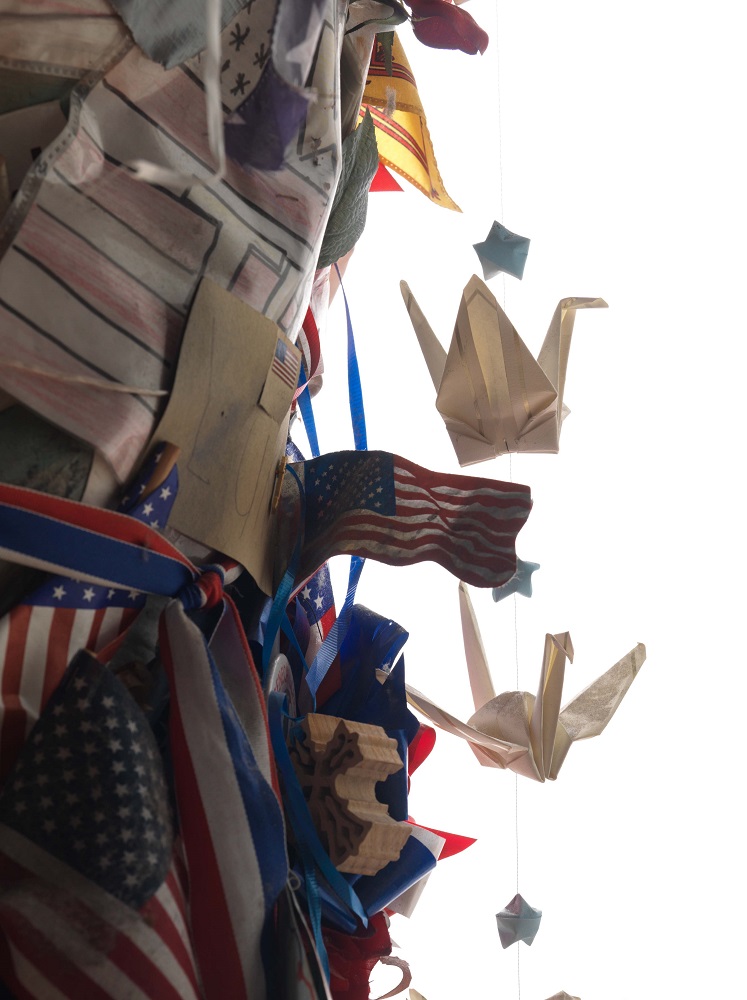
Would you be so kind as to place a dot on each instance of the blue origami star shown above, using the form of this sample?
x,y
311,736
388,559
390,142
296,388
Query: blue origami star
x,y
520,582
502,251
518,921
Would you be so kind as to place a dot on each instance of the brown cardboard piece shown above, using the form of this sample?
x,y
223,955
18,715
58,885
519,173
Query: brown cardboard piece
x,y
228,413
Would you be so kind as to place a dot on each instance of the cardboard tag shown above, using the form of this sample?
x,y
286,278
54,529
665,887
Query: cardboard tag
x,y
228,413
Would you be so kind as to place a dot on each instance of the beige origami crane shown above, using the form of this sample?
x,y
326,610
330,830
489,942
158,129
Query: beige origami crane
x,y
515,730
494,397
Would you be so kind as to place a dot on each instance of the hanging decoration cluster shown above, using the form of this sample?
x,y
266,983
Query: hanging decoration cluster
x,y
205,759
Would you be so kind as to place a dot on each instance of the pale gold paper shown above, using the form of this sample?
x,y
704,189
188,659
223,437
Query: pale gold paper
x,y
516,730
494,397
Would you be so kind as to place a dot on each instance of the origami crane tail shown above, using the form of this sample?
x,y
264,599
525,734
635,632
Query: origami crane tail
x,y
474,651
433,352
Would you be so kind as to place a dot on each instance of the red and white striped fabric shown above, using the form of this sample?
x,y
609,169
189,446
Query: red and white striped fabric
x,y
50,916
40,635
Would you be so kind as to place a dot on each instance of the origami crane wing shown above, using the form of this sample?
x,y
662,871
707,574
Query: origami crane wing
x,y
590,711
489,750
494,397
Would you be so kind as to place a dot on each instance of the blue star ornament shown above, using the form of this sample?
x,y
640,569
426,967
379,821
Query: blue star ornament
x,y
520,582
518,921
502,251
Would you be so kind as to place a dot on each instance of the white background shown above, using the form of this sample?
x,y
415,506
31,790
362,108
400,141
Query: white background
x,y
622,157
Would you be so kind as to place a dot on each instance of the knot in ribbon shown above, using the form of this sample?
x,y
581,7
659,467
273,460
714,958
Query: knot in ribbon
x,y
206,591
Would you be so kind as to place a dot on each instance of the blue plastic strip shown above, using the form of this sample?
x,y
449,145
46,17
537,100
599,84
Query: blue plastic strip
x,y
307,839
285,588
307,415
355,390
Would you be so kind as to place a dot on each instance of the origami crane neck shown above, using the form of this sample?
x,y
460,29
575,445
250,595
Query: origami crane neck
x,y
433,352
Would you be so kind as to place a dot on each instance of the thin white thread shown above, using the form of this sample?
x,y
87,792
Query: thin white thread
x,y
510,476
92,383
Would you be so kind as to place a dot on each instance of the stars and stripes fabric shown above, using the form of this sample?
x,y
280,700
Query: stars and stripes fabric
x,y
92,903
377,505
318,602
228,800
316,596
42,633
231,826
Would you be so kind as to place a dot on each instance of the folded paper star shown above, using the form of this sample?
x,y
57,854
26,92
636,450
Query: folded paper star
x,y
518,921
494,397
516,730
520,582
502,251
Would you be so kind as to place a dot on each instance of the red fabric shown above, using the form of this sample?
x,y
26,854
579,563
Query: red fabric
x,y
455,842
353,956
443,25
421,746
383,180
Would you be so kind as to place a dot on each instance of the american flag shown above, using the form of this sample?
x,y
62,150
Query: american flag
x,y
318,602
91,903
227,795
377,505
286,364
41,634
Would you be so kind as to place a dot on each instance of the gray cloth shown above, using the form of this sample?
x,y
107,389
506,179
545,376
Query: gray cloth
x,y
170,31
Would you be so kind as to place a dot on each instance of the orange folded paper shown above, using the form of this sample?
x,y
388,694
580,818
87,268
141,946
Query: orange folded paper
x,y
401,130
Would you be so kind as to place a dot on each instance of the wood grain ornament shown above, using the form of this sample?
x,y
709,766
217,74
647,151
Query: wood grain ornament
x,y
338,764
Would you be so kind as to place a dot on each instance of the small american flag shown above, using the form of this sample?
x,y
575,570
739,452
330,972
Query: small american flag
x,y
377,505
285,364
318,602
41,634
91,904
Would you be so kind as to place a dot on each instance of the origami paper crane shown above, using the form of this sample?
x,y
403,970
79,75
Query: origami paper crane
x,y
502,250
515,730
518,921
520,582
563,996
494,397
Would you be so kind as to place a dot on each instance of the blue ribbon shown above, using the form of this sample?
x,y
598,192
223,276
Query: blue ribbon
x,y
307,413
355,391
34,538
312,853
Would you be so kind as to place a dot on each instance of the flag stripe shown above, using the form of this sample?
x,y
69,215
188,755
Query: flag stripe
x,y
21,923
232,816
30,983
13,720
379,505
173,931
215,944
129,939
